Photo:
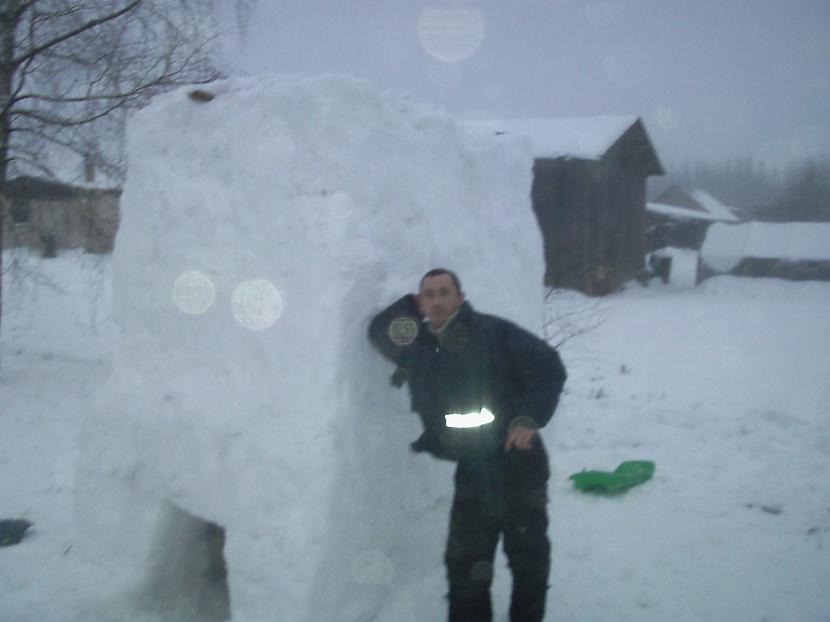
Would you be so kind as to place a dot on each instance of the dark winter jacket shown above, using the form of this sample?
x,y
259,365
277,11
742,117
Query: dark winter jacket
x,y
479,361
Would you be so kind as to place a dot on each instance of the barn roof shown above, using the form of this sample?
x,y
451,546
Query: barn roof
x,y
588,138
726,245
578,137
691,204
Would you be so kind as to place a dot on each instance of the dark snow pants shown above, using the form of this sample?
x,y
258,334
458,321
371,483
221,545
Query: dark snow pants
x,y
506,497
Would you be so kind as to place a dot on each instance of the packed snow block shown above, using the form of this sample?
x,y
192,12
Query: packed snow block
x,y
260,232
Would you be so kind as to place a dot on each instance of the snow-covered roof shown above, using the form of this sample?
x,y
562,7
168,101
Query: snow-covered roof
x,y
577,137
679,212
693,204
40,188
726,245
713,206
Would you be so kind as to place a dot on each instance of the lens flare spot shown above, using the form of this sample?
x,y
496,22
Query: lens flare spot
x,y
403,330
193,292
256,304
373,568
451,35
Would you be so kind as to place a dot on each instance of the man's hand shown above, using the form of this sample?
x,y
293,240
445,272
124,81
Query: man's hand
x,y
520,435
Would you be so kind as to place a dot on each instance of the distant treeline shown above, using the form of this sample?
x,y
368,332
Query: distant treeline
x,y
799,192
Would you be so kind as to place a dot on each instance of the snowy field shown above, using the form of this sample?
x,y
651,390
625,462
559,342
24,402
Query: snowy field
x,y
724,386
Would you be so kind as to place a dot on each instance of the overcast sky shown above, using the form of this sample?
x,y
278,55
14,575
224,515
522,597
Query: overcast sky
x,y
711,78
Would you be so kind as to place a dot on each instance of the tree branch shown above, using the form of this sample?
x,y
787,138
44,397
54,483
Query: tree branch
x,y
68,122
75,32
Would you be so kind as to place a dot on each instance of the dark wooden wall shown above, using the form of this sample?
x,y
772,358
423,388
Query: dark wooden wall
x,y
49,215
592,217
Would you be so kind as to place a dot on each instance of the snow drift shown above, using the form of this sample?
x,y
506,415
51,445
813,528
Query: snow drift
x,y
260,231
726,245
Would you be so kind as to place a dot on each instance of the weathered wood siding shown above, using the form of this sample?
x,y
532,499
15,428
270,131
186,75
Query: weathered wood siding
x,y
592,216
83,218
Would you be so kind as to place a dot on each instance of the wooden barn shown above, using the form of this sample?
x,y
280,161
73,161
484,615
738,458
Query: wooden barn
x,y
589,195
798,251
679,218
49,215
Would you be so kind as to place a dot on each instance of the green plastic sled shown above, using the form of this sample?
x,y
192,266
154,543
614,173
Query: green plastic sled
x,y
628,474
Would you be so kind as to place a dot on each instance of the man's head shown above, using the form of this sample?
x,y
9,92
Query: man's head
x,y
439,296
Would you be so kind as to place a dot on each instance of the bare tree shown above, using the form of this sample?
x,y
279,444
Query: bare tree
x,y
567,315
71,69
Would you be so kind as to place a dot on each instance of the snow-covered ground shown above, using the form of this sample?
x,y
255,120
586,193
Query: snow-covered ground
x,y
198,428
724,386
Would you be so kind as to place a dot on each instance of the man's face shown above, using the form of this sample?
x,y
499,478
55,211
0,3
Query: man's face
x,y
439,299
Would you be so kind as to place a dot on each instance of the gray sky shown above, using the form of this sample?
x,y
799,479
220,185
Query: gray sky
x,y
711,78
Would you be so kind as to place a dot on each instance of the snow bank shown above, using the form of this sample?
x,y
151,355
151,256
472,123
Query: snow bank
x,y
690,378
758,288
58,305
726,245
260,231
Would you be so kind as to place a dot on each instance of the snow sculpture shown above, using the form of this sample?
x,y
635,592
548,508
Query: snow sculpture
x,y
260,231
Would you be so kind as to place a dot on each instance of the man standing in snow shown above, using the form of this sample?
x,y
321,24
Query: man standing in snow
x,y
482,387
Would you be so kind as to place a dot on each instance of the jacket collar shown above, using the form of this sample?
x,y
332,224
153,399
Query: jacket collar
x,y
457,321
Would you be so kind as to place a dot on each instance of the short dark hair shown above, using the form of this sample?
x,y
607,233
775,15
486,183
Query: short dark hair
x,y
438,272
